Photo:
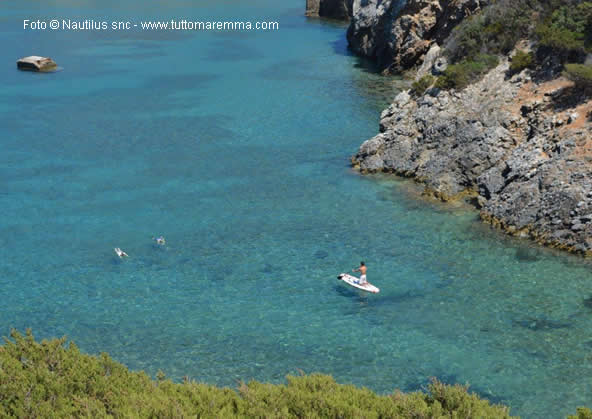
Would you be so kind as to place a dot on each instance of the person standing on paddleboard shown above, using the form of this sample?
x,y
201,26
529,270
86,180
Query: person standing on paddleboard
x,y
362,271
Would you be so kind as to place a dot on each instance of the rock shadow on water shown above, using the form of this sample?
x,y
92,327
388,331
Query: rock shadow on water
x,y
321,254
220,273
538,324
232,50
267,269
444,283
527,255
341,47
588,302
291,70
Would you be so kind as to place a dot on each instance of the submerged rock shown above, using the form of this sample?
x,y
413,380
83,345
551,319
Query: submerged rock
x,y
267,269
335,9
541,324
35,63
527,255
321,254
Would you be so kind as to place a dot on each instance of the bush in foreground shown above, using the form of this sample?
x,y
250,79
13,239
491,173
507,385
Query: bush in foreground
x,y
582,413
53,379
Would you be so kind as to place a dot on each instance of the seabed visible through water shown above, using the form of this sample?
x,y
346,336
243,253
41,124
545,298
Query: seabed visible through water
x,y
240,158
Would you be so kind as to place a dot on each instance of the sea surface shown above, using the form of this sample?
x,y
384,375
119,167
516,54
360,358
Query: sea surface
x,y
235,147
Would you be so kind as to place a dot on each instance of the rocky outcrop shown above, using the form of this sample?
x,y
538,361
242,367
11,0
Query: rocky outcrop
x,y
397,33
335,9
523,149
36,63
446,139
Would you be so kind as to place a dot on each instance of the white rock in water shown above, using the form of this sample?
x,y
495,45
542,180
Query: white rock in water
x,y
36,63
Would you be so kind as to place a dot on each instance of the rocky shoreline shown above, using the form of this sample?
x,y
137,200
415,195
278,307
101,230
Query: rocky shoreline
x,y
503,141
397,33
519,145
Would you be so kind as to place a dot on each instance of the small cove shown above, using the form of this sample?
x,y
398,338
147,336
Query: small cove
x,y
239,157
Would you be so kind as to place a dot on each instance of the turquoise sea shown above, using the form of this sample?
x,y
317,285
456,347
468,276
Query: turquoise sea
x,y
235,146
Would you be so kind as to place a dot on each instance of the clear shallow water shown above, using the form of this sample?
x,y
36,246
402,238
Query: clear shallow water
x,y
235,147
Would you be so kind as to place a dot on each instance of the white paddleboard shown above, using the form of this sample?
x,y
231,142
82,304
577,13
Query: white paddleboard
x,y
353,281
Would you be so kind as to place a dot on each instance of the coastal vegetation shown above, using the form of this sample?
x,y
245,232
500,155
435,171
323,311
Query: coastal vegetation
x,y
521,60
420,86
460,75
494,31
580,74
582,413
567,30
53,378
559,28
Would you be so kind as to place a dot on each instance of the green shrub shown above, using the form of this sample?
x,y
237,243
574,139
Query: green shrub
x,y
52,379
582,413
564,26
567,30
494,31
458,76
559,39
420,86
576,18
521,60
580,74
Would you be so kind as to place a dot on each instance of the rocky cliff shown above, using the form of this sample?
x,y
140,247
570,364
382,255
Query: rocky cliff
x,y
335,9
519,144
397,33
522,148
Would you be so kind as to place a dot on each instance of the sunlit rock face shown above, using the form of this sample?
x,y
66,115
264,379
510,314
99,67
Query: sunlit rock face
x,y
398,33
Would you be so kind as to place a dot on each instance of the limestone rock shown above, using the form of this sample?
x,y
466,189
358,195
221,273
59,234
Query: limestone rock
x,y
429,61
498,139
35,63
397,33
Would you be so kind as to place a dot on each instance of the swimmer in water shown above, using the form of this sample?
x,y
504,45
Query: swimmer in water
x,y
159,240
120,253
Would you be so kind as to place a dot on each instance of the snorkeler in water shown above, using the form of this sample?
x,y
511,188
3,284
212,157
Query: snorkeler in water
x,y
120,253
